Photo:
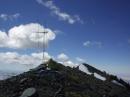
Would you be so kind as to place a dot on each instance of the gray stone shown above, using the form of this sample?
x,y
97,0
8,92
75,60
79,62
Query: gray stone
x,y
23,80
29,92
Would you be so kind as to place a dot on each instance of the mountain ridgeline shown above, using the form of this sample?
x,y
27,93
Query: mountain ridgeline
x,y
53,79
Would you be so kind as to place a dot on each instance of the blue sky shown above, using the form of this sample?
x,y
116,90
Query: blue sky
x,y
97,31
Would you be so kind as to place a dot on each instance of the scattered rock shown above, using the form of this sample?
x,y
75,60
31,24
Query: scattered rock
x,y
60,81
29,92
23,80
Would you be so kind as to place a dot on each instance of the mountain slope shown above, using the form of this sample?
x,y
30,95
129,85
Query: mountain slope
x,y
60,81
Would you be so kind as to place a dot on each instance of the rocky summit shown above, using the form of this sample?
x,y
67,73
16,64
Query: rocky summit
x,y
53,79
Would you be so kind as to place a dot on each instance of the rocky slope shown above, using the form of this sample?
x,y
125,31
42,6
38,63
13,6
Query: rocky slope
x,y
60,81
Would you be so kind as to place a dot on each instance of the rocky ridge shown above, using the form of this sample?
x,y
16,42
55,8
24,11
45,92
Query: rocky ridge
x,y
52,79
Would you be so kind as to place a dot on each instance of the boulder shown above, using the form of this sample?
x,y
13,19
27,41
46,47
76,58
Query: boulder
x,y
29,92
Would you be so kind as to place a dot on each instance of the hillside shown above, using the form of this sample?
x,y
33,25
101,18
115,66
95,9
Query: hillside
x,y
57,80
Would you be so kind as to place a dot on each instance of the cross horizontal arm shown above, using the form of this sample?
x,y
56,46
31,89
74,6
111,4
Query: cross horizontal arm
x,y
43,32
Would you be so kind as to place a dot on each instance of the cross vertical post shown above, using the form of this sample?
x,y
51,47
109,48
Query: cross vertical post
x,y
44,43
44,46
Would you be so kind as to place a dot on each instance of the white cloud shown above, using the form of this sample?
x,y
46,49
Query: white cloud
x,y
65,60
26,36
58,32
3,37
61,15
27,61
23,62
4,16
87,43
9,17
62,57
92,44
81,60
39,56
69,63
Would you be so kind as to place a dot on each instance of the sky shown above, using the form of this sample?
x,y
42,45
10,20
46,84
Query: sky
x,y
93,31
